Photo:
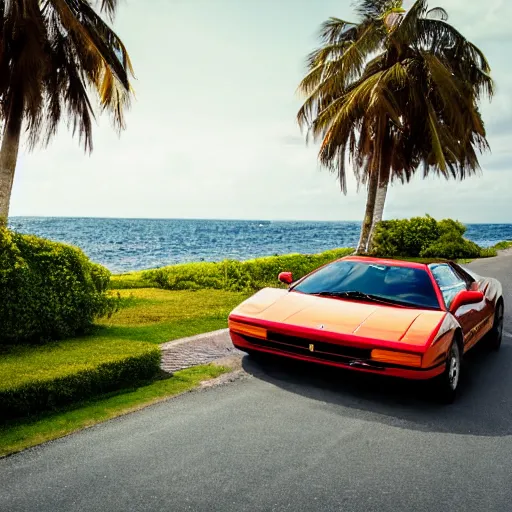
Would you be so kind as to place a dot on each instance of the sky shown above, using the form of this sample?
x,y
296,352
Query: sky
x,y
212,131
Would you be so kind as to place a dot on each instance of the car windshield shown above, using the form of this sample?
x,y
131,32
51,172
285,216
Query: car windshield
x,y
367,280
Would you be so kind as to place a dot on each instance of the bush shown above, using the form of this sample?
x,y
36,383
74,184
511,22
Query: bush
x,y
451,248
405,237
425,237
22,397
238,275
48,290
501,246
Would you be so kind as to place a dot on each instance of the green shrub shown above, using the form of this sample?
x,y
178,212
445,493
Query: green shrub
x,y
450,226
488,252
22,397
405,237
424,237
48,290
238,275
452,248
501,246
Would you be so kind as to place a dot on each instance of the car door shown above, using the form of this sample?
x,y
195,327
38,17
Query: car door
x,y
469,316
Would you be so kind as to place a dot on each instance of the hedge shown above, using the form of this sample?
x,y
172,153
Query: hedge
x,y
425,237
70,384
48,290
233,275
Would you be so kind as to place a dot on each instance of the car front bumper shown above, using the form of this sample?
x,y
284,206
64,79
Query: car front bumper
x,y
325,357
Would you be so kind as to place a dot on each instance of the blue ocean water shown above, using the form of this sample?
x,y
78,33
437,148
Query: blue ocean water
x,y
124,245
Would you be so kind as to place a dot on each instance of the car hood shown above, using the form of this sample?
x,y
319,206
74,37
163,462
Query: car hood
x,y
341,316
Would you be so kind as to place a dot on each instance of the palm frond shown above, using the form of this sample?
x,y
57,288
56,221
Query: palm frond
x,y
336,30
437,13
408,97
109,7
372,9
53,54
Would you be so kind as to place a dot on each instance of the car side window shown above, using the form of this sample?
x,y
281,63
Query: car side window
x,y
448,281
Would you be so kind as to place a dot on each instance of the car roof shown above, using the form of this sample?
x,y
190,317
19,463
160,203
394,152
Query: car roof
x,y
420,263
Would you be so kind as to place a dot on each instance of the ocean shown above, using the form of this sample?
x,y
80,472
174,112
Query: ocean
x,y
124,245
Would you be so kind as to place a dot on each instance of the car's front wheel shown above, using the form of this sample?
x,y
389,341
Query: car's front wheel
x,y
447,383
496,333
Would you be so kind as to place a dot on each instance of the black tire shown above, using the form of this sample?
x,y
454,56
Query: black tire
x,y
496,333
447,384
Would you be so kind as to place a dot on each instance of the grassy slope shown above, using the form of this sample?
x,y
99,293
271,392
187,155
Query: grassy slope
x,y
150,316
59,359
21,434
503,245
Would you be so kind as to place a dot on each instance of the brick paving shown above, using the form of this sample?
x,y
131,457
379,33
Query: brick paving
x,y
202,349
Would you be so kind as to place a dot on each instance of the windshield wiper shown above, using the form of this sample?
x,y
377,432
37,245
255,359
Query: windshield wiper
x,y
362,296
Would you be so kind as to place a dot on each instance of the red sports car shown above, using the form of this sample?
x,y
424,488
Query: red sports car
x,y
389,317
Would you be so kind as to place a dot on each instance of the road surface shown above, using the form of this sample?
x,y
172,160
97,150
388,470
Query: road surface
x,y
290,439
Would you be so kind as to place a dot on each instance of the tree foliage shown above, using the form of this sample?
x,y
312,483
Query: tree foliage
x,y
53,53
395,91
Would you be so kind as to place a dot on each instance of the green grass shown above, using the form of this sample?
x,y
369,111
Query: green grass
x,y
501,246
130,280
157,316
22,434
22,364
150,316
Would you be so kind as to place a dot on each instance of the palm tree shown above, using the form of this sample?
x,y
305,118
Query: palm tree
x,y
52,54
395,91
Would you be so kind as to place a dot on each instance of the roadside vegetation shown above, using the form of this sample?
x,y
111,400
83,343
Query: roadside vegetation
x,y
240,276
502,246
425,237
48,290
121,351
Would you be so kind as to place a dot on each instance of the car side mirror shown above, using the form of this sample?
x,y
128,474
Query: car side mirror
x,y
466,297
286,277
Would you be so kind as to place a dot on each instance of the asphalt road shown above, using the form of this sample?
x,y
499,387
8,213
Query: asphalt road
x,y
290,438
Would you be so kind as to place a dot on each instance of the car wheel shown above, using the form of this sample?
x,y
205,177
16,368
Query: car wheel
x,y
448,382
496,333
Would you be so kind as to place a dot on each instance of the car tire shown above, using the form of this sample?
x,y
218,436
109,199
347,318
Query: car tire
x,y
447,383
496,333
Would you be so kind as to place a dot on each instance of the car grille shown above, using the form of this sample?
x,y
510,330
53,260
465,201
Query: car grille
x,y
326,351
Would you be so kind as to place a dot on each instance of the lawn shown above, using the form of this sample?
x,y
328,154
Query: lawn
x,y
157,316
149,317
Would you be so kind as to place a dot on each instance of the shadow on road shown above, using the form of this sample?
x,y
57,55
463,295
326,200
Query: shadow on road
x,y
483,407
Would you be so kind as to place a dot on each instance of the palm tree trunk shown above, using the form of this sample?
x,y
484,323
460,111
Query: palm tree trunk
x,y
380,201
9,155
366,228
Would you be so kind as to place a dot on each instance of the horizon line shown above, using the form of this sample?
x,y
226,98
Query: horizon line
x,y
220,219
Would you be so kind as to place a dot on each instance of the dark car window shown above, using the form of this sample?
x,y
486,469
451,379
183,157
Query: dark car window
x,y
449,282
412,286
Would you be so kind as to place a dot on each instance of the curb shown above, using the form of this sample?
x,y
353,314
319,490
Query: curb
x,y
197,337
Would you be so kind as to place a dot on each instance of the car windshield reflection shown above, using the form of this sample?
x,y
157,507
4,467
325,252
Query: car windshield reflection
x,y
352,279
